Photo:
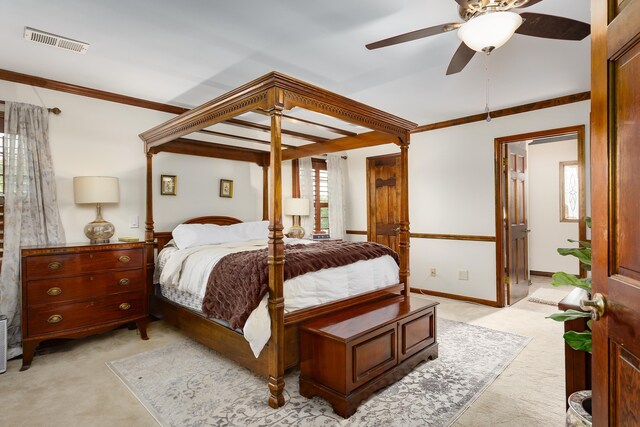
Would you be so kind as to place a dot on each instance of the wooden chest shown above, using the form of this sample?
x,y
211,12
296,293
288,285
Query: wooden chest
x,y
347,356
71,291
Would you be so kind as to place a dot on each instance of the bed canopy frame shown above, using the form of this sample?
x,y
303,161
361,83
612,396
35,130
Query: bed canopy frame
x,y
273,94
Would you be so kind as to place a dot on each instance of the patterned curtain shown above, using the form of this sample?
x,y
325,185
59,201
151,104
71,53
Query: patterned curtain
x,y
335,168
306,192
31,215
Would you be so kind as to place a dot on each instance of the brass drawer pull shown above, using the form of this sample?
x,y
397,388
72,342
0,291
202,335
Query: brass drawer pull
x,y
54,291
56,318
124,306
124,282
124,258
55,265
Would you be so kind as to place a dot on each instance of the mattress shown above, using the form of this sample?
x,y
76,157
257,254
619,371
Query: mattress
x,y
190,301
185,299
183,275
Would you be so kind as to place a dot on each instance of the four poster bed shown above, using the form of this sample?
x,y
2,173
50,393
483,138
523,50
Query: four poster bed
x,y
272,95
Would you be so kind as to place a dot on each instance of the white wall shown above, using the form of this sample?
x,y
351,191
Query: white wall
x,y
94,137
451,191
198,192
547,232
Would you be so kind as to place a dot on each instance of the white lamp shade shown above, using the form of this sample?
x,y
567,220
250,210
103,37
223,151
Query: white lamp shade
x,y
96,189
490,30
296,207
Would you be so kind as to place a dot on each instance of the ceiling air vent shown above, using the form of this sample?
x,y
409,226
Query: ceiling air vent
x,y
60,42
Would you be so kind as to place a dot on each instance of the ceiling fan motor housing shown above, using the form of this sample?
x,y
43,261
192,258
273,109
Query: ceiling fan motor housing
x,y
469,9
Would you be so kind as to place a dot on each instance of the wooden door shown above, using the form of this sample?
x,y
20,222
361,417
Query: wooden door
x,y
615,191
383,200
516,262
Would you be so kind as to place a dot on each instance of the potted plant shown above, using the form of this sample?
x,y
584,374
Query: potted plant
x,y
579,412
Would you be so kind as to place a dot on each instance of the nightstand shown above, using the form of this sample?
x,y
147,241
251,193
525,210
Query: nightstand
x,y
76,290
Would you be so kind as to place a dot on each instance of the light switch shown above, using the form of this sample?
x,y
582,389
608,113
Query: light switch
x,y
133,221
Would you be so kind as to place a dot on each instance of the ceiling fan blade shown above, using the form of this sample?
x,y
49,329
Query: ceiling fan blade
x,y
529,3
460,59
414,35
552,27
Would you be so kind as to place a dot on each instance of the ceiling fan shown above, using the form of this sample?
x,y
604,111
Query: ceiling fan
x,y
489,24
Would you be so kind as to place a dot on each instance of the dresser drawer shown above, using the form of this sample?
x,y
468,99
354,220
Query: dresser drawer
x,y
89,262
73,315
55,290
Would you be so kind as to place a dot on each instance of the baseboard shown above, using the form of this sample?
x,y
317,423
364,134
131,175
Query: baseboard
x,y
454,296
540,273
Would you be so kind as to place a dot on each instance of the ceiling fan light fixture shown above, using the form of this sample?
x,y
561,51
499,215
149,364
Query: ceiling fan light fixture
x,y
489,31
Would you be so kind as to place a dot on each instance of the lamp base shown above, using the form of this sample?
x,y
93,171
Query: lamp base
x,y
296,232
99,231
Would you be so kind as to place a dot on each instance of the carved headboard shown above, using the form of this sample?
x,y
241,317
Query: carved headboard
x,y
163,237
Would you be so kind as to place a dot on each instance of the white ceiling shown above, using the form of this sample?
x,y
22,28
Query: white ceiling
x,y
188,52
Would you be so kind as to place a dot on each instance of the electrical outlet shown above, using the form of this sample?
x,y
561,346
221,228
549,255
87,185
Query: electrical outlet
x,y
133,221
463,274
433,272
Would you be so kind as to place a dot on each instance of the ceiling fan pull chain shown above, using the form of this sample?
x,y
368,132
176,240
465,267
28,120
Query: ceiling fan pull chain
x,y
486,105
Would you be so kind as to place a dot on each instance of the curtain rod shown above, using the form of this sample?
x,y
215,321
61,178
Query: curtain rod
x,y
54,110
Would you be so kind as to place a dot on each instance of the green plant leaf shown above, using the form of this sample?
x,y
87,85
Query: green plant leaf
x,y
587,220
568,315
583,255
589,324
579,340
580,242
565,279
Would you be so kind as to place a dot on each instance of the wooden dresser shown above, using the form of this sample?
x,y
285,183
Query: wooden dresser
x,y
76,290
347,356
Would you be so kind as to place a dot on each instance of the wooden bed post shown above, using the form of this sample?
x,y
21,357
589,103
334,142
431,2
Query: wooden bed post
x,y
276,257
148,230
265,192
404,236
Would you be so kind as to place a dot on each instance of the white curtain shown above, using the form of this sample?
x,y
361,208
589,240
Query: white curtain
x,y
335,176
31,215
306,192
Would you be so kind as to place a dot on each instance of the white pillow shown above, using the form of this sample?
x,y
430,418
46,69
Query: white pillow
x,y
190,235
252,230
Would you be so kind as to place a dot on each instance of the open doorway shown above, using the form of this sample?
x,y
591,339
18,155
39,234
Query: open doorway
x,y
540,192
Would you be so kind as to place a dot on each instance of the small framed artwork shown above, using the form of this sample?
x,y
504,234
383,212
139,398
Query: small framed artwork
x,y
226,188
168,185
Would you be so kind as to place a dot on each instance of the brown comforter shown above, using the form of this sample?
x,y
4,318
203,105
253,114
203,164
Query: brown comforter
x,y
239,281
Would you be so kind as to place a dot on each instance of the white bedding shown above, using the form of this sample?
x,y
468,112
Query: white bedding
x,y
188,270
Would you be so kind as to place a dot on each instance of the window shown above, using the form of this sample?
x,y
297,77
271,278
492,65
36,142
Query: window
x,y
569,192
320,196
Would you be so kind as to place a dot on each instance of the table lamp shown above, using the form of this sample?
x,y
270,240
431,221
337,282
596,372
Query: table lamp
x,y
296,207
98,190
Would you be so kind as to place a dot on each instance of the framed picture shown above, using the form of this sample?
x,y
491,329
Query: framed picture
x,y
226,188
168,185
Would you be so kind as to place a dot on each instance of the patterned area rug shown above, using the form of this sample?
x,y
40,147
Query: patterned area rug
x,y
186,384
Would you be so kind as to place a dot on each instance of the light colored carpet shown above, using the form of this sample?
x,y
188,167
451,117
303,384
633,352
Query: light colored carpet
x,y
550,296
186,384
